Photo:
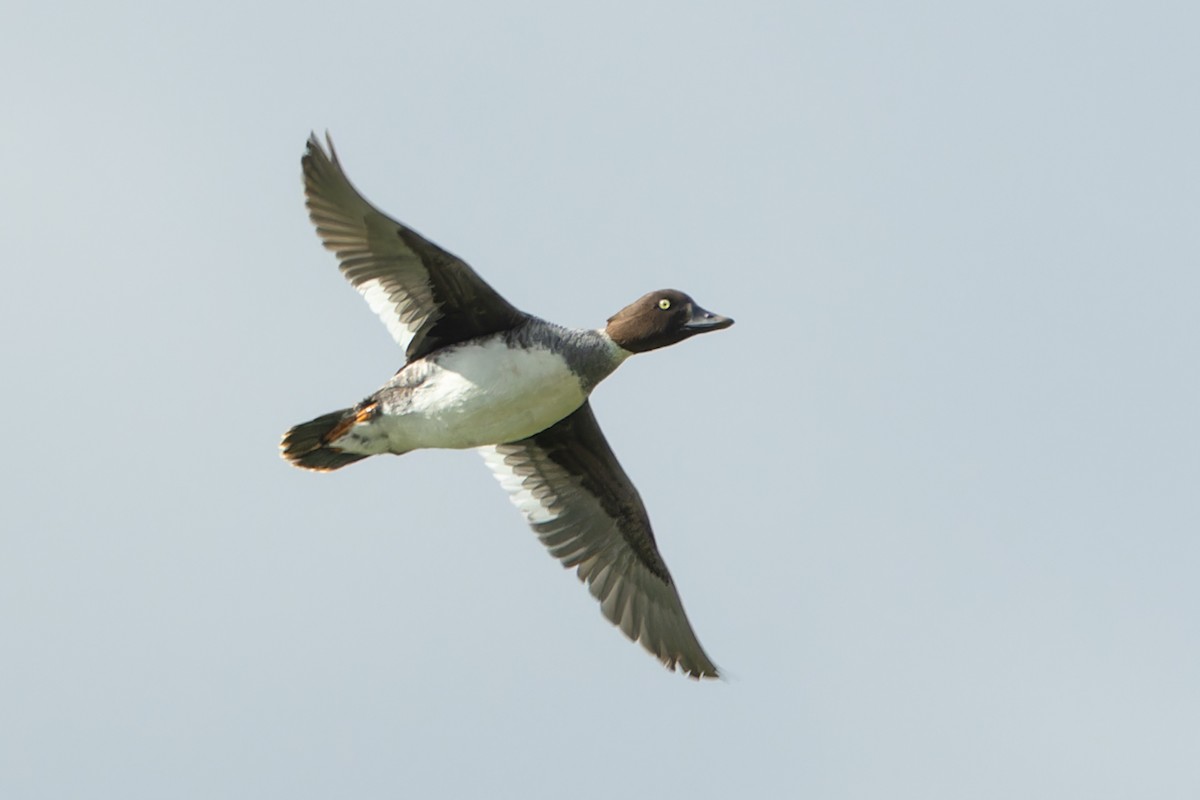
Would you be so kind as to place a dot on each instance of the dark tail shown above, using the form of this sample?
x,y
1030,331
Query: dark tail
x,y
307,444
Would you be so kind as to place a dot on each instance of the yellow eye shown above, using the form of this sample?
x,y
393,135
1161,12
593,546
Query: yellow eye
x,y
664,304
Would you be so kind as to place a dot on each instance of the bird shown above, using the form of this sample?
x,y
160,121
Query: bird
x,y
479,373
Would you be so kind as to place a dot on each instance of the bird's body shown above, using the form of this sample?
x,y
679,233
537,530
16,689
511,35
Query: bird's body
x,y
498,388
481,374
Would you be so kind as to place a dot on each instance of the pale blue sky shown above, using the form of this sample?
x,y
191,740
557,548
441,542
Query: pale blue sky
x,y
933,501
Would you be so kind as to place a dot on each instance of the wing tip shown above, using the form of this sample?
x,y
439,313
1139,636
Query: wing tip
x,y
318,166
697,666
314,146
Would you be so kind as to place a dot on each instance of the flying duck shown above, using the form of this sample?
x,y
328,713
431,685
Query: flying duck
x,y
481,374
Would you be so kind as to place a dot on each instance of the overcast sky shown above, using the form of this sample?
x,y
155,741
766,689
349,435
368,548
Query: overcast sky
x,y
932,502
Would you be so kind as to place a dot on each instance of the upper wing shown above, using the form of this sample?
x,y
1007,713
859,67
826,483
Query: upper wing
x,y
582,505
426,296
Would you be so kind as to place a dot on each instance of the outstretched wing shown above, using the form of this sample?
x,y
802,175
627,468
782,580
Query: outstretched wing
x,y
427,297
582,505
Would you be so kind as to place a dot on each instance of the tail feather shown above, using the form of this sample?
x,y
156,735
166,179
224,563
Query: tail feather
x,y
307,445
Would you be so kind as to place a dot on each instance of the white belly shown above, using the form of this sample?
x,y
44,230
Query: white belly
x,y
483,395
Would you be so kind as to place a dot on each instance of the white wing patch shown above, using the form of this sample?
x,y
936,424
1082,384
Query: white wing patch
x,y
539,508
393,313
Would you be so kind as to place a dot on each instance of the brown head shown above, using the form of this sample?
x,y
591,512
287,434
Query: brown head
x,y
659,319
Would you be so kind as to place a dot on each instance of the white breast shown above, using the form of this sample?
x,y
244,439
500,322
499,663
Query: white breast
x,y
485,394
